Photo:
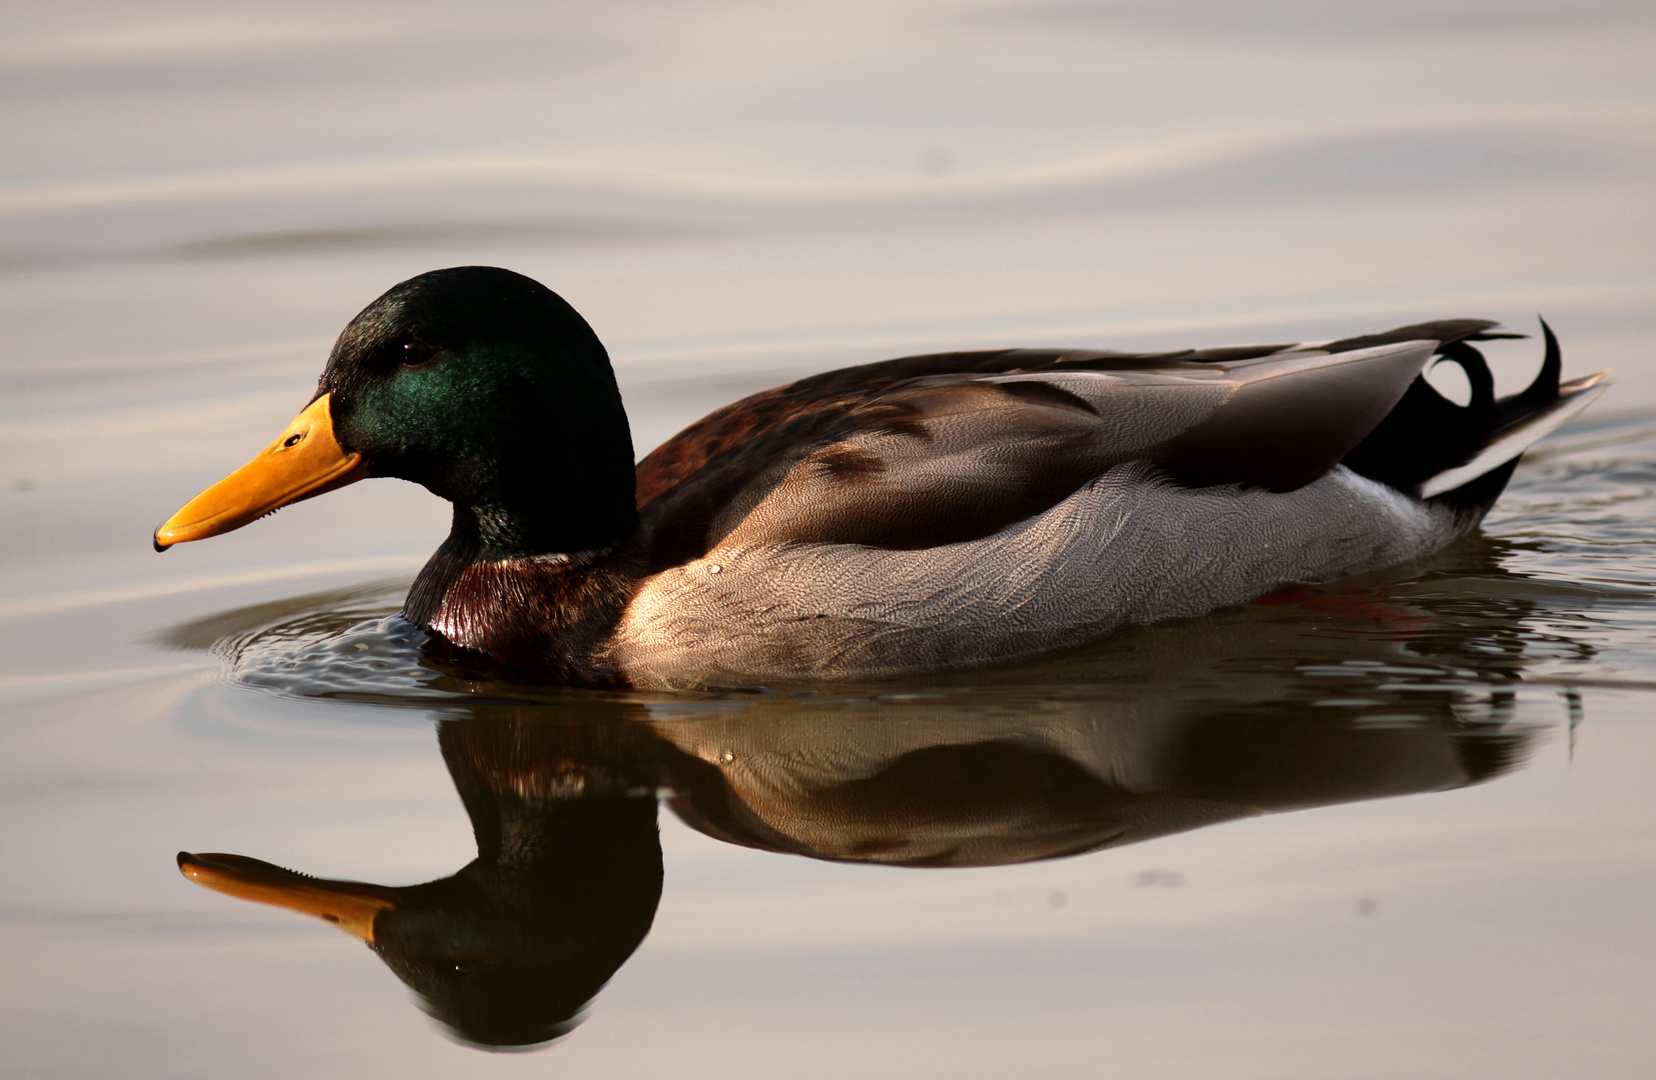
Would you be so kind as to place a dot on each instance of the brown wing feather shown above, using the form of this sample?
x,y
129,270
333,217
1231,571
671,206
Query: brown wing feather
x,y
852,456
690,480
969,460
738,425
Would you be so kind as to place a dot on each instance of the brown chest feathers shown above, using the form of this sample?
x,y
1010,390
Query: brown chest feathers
x,y
545,616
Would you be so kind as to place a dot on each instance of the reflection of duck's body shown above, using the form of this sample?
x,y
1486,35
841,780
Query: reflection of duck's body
x,y
569,867
920,514
918,786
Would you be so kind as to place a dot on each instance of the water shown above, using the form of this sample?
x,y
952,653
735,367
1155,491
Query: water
x,y
1394,826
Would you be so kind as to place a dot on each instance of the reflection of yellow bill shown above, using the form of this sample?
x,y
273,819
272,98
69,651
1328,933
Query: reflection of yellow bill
x,y
349,905
304,460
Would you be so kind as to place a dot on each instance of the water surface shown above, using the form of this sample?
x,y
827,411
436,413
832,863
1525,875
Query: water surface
x,y
1393,826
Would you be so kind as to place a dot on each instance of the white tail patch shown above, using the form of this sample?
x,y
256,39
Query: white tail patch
x,y
1577,395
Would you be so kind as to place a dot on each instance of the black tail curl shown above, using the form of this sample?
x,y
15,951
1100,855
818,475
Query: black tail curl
x,y
1426,433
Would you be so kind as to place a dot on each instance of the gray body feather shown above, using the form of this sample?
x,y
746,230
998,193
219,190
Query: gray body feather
x,y
1128,548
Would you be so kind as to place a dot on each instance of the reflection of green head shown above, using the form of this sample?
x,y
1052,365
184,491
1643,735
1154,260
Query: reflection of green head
x,y
565,886
507,951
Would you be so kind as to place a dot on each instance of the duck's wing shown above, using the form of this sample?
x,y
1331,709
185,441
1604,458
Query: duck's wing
x,y
779,417
944,457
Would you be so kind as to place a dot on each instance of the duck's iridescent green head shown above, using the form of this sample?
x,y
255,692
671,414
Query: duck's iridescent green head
x,y
479,383
489,389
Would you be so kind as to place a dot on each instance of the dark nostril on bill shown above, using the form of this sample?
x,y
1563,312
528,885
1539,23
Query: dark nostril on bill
x,y
292,440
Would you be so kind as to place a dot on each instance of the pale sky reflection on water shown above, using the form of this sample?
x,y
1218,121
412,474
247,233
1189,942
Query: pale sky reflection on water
x,y
195,197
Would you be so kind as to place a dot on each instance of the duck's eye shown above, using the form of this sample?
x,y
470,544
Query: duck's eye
x,y
417,354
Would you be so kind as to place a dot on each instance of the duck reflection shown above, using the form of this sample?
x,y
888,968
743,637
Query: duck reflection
x,y
1360,690
909,786
507,951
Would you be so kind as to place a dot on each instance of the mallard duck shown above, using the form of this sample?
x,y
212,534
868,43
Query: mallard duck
x,y
917,514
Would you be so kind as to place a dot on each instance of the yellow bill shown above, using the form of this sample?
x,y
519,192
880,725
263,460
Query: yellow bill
x,y
304,460
349,905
